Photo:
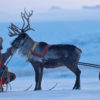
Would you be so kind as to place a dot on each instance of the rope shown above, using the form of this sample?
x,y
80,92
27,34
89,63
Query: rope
x,y
89,65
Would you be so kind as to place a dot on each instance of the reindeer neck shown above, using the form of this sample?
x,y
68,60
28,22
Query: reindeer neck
x,y
31,49
24,41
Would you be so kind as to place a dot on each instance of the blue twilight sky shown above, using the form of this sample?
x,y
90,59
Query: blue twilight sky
x,y
45,10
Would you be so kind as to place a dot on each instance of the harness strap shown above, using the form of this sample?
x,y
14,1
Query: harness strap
x,y
46,49
33,48
40,55
36,54
1,60
24,41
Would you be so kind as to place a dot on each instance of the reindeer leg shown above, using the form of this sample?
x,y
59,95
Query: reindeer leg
x,y
77,83
77,72
38,77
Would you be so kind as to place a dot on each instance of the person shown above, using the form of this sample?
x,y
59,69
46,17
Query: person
x,y
5,75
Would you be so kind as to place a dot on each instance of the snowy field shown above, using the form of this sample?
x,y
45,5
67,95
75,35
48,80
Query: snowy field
x,y
90,90
90,86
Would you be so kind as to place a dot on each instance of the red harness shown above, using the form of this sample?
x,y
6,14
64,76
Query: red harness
x,y
44,52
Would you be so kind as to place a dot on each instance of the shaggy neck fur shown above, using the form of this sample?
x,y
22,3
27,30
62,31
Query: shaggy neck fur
x,y
24,50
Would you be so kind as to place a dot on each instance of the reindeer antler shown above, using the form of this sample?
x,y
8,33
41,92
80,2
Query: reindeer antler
x,y
26,16
14,30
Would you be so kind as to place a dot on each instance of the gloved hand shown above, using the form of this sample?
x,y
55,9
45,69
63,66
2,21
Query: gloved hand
x,y
10,51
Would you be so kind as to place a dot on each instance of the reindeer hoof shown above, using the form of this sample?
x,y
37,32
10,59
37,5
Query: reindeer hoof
x,y
37,89
76,88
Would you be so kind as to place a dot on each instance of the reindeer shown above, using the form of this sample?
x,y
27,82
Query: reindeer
x,y
42,55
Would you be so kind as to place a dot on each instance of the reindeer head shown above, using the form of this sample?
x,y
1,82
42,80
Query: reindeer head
x,y
20,32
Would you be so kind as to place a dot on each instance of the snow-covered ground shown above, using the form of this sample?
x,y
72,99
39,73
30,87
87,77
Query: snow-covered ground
x,y
90,86
90,89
